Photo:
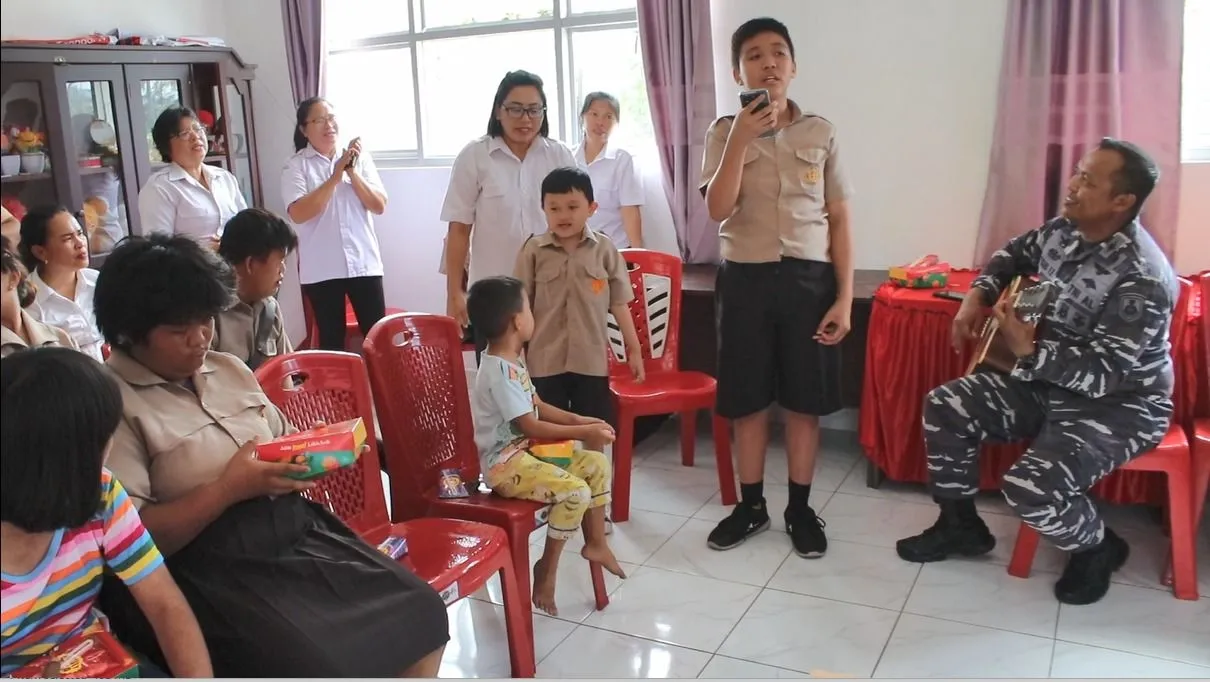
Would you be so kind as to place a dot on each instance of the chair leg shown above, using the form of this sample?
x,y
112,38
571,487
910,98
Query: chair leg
x,y
725,465
623,455
517,613
688,437
518,548
598,585
1023,552
1184,543
1201,486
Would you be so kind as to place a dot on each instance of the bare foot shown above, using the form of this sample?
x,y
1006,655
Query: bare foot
x,y
544,588
601,554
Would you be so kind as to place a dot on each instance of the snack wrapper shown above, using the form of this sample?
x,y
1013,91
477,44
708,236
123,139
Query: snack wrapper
x,y
395,547
558,453
927,272
323,449
451,485
94,655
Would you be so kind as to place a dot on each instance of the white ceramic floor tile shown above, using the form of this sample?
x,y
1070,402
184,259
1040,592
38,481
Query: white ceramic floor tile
x,y
1048,561
855,484
722,668
680,492
929,648
675,608
811,635
479,640
1141,621
873,521
1149,552
668,455
592,653
752,563
1077,660
860,574
639,537
831,468
984,595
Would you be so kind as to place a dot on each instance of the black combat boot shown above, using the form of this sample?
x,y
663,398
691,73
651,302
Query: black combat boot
x,y
1086,578
958,530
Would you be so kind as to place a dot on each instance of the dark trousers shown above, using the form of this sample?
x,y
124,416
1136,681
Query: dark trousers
x,y
587,396
1076,441
328,306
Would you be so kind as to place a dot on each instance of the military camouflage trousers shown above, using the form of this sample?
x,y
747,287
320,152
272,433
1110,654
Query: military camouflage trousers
x,y
1076,441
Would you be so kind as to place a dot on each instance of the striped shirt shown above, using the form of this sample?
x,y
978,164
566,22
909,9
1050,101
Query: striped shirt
x,y
53,602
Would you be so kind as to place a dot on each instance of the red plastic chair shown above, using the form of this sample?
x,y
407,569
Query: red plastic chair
x,y
1200,434
454,557
419,383
352,328
656,311
1171,457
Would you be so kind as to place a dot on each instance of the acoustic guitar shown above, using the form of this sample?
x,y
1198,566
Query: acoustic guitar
x,y
1029,301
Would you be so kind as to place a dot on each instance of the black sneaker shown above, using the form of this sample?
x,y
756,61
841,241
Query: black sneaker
x,y
950,535
1086,578
806,532
744,522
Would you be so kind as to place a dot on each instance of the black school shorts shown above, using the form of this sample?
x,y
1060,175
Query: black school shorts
x,y
767,317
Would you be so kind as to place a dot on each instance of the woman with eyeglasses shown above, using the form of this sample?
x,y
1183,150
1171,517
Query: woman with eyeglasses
x,y
187,196
493,203
332,196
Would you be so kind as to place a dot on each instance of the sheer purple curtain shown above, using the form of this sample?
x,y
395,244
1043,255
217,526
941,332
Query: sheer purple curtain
x,y
679,62
1076,71
305,48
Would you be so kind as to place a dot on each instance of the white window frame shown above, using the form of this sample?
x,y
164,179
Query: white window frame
x,y
564,23
1197,13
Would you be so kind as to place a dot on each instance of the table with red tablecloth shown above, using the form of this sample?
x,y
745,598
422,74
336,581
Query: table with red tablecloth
x,y
908,353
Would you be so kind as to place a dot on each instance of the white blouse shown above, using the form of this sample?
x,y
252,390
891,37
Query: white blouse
x,y
174,202
74,317
500,196
340,242
615,183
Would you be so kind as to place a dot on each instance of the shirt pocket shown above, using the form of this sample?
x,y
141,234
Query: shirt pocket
x,y
595,281
809,168
550,286
605,192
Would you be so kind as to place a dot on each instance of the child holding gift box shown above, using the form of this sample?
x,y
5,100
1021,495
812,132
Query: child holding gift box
x,y
510,417
64,518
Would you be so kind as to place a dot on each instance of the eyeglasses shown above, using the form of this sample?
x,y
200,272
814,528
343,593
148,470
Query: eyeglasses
x,y
330,118
515,111
196,130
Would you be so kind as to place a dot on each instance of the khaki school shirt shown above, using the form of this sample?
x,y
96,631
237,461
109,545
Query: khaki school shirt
x,y
788,180
571,294
236,329
173,438
39,335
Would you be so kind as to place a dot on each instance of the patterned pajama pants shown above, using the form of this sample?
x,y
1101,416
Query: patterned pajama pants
x,y
585,484
1077,441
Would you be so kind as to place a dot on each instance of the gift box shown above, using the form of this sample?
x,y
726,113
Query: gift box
x,y
558,453
96,655
322,449
928,272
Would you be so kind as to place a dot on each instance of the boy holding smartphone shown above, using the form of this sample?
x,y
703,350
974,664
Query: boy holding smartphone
x,y
772,176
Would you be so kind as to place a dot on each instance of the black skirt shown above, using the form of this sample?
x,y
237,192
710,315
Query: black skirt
x,y
281,588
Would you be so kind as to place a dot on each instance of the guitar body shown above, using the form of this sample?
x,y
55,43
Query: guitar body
x,y
1029,300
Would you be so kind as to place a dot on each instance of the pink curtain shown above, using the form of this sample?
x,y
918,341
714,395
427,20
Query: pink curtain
x,y
679,62
305,47
1075,71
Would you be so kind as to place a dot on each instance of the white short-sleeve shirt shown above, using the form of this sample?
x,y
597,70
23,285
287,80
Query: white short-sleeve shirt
x,y
173,202
74,317
340,242
500,196
615,183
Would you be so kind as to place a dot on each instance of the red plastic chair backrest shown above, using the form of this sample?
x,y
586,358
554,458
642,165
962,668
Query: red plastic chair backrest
x,y
1181,390
327,386
419,381
655,278
1203,311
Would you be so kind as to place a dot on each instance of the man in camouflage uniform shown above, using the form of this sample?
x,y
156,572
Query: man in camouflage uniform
x,y
1092,390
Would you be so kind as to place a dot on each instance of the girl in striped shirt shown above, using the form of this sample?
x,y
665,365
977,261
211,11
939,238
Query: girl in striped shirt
x,y
64,518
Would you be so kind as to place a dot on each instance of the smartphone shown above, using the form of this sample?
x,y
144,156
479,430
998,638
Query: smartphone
x,y
746,97
352,161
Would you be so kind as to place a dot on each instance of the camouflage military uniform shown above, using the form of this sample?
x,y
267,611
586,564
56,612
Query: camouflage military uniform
x,y
1096,394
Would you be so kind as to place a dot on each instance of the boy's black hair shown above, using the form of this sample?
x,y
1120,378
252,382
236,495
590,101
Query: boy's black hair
x,y
167,126
255,233
34,228
60,411
752,28
159,280
492,303
517,79
567,180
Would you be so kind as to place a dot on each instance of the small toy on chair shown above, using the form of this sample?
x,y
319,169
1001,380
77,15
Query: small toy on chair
x,y
927,272
451,485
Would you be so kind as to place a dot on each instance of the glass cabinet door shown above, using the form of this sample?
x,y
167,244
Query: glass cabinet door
x,y
26,175
154,89
94,109
234,135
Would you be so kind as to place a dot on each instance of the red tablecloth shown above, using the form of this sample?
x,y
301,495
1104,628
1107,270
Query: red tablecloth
x,y
908,353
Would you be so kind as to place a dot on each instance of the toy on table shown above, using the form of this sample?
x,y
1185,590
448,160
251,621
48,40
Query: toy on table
x,y
395,547
323,449
558,453
451,485
927,272
96,655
